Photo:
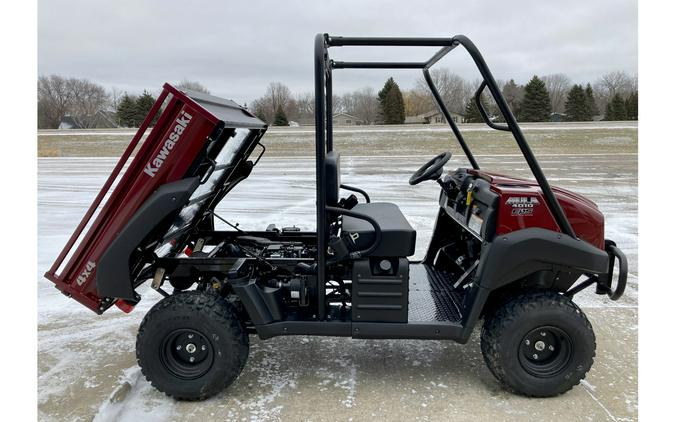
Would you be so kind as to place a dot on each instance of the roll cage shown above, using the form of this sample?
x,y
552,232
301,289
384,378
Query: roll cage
x,y
323,84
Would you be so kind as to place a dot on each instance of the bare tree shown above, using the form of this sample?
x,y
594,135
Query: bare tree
x,y
305,105
454,90
417,101
361,103
193,86
277,95
115,97
557,85
365,105
81,99
617,82
54,100
612,83
88,100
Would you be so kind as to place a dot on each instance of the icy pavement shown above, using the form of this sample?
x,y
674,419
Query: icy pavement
x,y
87,367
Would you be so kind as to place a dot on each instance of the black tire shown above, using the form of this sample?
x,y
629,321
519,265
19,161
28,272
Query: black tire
x,y
191,345
538,344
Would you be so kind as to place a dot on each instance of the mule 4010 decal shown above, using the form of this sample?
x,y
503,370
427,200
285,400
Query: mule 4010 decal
x,y
522,205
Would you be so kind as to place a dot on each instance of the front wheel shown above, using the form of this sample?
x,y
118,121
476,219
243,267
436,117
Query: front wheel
x,y
191,345
538,344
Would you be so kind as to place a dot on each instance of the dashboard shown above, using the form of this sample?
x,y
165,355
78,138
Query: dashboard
x,y
468,200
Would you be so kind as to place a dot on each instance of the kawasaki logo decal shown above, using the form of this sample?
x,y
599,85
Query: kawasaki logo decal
x,y
182,122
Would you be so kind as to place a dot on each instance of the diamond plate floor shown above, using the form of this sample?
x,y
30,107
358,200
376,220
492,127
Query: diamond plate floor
x,y
431,297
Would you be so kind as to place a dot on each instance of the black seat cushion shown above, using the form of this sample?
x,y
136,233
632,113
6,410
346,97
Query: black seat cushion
x,y
398,237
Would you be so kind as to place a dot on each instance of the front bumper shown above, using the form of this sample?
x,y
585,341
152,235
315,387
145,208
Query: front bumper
x,y
605,281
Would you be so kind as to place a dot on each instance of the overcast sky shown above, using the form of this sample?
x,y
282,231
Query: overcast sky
x,y
236,48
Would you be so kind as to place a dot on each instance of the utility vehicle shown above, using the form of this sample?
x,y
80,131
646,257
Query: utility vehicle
x,y
506,251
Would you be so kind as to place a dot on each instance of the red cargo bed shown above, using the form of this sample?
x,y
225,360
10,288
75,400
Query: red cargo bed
x,y
174,148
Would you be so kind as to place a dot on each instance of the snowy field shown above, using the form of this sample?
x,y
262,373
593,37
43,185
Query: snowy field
x,y
86,363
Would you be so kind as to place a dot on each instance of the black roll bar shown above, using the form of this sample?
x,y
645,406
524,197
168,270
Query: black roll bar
x,y
323,67
377,65
483,113
448,118
320,59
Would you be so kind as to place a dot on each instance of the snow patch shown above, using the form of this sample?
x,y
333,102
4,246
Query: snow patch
x,y
134,399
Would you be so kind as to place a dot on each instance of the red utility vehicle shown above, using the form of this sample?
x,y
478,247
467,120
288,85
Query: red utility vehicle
x,y
511,251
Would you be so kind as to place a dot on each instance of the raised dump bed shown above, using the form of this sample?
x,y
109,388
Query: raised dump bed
x,y
196,151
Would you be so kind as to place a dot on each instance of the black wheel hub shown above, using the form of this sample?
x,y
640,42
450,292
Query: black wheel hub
x,y
186,353
545,351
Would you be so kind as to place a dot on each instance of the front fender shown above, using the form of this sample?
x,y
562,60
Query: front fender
x,y
516,255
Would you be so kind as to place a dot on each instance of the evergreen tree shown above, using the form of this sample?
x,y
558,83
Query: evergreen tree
x,y
632,106
280,117
143,105
618,108
576,107
536,104
609,112
513,94
590,99
126,110
471,113
392,108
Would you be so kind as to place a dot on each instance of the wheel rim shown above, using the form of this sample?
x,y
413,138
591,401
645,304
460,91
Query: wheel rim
x,y
545,351
186,353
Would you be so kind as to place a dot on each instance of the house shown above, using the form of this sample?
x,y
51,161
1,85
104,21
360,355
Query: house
x,y
344,119
305,120
433,117
69,122
101,119
414,120
558,117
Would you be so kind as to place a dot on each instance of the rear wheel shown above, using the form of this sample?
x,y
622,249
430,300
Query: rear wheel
x,y
538,344
191,345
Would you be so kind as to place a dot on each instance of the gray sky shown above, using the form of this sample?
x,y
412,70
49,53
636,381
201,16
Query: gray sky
x,y
236,48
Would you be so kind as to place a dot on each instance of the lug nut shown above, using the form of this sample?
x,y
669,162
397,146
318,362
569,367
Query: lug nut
x,y
551,348
190,335
536,356
192,359
543,334
527,342
203,347
178,347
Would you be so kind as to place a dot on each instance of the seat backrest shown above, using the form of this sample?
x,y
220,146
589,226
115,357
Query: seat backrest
x,y
332,167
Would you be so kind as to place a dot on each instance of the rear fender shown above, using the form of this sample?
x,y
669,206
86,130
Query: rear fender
x,y
113,278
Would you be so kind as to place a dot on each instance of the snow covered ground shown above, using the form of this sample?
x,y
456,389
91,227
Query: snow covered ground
x,y
87,366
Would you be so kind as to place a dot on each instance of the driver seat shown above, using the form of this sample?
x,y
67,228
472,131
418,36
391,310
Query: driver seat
x,y
397,235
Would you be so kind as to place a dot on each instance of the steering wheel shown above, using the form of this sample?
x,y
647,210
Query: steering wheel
x,y
431,170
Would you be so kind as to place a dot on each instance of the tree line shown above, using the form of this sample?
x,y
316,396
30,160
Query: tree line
x,y
613,96
88,105
535,101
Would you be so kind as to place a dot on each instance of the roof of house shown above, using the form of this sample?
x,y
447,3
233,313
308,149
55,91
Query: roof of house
x,y
346,115
435,112
413,119
69,122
